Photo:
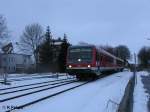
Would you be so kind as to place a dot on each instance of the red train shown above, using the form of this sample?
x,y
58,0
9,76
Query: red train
x,y
90,61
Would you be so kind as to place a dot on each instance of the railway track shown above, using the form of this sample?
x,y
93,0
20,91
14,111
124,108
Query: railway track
x,y
28,75
31,78
33,84
37,91
22,79
14,91
21,76
46,97
33,75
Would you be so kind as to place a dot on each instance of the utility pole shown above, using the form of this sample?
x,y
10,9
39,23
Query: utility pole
x,y
135,63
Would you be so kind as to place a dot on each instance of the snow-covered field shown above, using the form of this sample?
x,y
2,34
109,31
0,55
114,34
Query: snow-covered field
x,y
102,95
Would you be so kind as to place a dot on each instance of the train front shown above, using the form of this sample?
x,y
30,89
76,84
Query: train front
x,y
81,61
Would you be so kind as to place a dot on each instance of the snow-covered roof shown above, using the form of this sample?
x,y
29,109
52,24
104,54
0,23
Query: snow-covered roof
x,y
57,43
15,54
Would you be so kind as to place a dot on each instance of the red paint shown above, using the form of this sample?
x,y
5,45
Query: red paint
x,y
103,60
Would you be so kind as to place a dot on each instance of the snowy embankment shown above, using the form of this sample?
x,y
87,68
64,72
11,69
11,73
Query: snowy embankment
x,y
140,97
102,95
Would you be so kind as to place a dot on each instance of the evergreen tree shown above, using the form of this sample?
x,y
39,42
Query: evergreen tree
x,y
144,57
46,51
63,54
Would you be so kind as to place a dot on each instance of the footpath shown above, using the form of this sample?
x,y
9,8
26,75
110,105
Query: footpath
x,y
137,94
146,82
141,99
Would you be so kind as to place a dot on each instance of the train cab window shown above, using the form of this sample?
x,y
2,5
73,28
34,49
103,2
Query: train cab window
x,y
83,53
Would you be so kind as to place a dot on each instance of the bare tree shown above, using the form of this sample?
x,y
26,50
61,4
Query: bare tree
x,y
31,39
4,34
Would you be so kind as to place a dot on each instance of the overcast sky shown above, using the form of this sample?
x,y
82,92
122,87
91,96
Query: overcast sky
x,y
98,22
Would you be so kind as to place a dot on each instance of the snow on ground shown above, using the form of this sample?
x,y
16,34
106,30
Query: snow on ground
x,y
36,80
96,96
26,99
18,76
102,95
30,90
140,97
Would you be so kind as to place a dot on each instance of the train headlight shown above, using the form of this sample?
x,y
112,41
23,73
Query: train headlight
x,y
89,66
70,66
79,60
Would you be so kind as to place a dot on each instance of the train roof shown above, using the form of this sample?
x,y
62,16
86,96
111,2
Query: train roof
x,y
78,46
107,53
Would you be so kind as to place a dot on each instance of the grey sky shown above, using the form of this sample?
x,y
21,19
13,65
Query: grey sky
x,y
111,22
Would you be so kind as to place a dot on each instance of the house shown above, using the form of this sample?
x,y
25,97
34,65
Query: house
x,y
14,62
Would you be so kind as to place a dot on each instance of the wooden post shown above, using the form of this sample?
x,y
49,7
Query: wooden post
x,y
3,75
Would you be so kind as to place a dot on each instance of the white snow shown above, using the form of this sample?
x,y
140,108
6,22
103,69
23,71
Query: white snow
x,y
102,95
96,96
36,80
35,96
140,97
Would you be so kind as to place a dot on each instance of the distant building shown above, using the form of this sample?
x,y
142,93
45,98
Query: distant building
x,y
14,62
56,48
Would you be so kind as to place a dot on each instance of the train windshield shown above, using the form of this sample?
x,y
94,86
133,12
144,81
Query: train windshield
x,y
77,55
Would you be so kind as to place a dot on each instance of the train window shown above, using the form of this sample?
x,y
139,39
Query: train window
x,y
74,50
109,59
80,50
86,55
97,56
119,62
